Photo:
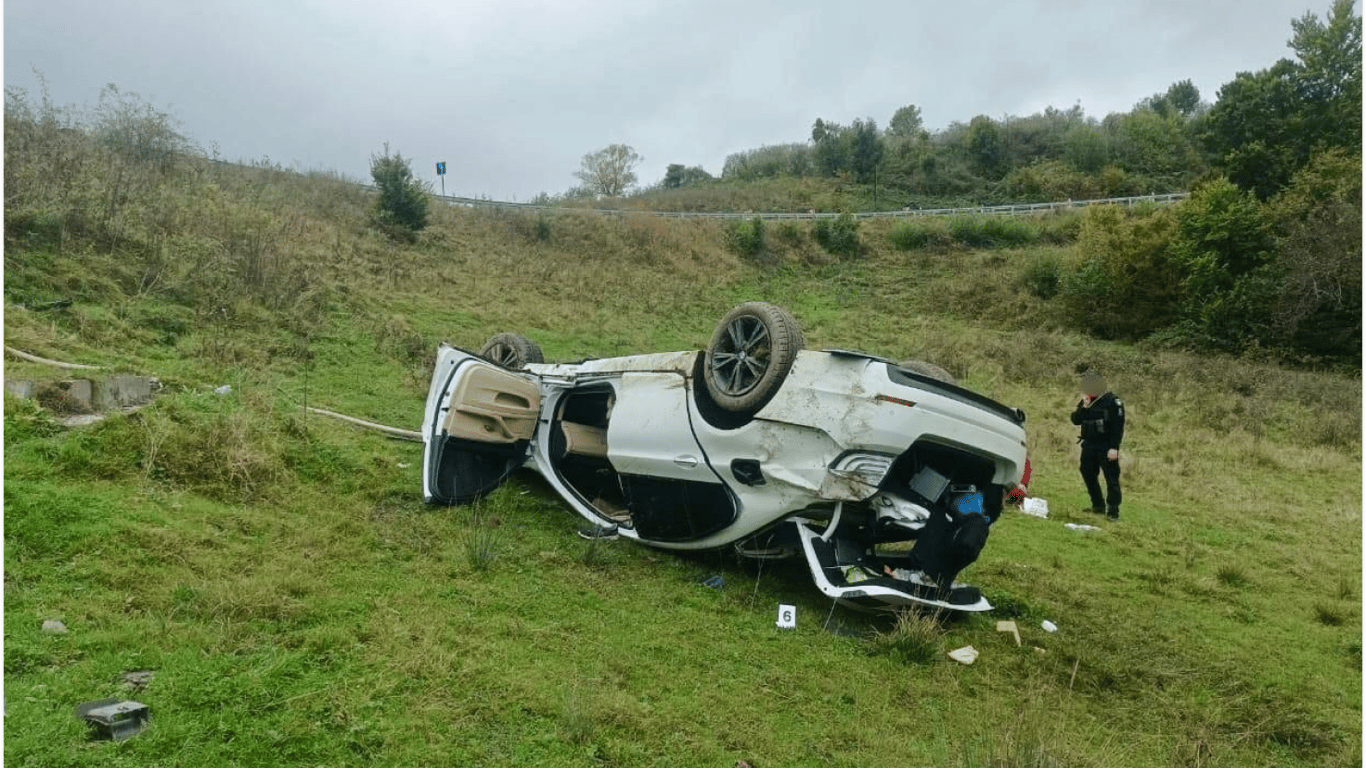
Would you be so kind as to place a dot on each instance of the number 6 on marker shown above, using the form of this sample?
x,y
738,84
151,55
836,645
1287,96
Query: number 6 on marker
x,y
787,616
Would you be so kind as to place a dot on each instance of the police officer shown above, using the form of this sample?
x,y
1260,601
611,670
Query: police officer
x,y
1101,417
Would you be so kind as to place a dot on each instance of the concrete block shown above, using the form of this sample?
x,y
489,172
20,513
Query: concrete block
x,y
124,391
20,388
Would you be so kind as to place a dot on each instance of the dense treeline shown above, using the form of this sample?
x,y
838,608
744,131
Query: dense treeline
x,y
1262,128
1266,254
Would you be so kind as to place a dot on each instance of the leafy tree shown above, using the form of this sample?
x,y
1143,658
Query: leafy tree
x,y
866,150
1148,142
1266,126
610,171
1223,246
768,162
1184,98
1087,147
831,147
984,148
905,123
678,175
402,206
1318,257
1253,130
1329,76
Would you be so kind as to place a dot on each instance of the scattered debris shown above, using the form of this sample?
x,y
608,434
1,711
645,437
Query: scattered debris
x,y
965,655
45,306
114,719
715,582
1009,626
54,627
226,389
1049,626
137,679
1035,506
1076,527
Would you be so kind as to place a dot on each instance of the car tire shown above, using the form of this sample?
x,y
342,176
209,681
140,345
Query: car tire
x,y
750,355
512,351
928,369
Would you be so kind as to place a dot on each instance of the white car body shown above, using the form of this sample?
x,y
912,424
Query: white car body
x,y
632,442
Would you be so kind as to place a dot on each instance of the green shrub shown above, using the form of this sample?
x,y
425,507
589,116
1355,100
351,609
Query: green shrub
x,y
746,237
1043,276
402,207
993,231
1126,286
1222,248
922,232
839,237
787,233
1061,228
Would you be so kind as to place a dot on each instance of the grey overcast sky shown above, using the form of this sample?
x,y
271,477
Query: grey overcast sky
x,y
512,93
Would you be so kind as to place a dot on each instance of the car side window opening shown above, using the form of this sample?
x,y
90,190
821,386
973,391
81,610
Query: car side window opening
x,y
578,447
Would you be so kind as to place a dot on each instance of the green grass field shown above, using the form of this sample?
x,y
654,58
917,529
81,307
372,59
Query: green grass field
x,y
297,604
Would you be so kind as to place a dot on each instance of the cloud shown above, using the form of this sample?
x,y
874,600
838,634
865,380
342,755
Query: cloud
x,y
512,94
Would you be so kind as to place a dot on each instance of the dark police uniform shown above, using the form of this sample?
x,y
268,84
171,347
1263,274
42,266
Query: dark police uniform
x,y
1102,429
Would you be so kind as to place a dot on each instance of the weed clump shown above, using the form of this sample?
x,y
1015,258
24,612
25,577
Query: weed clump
x,y
1232,576
926,232
914,639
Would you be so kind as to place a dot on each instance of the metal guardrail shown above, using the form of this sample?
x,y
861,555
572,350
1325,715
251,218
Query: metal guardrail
x,y
1022,209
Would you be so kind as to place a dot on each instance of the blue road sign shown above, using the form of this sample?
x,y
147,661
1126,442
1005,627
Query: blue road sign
x,y
440,169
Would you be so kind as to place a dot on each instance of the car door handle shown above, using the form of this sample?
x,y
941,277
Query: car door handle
x,y
686,462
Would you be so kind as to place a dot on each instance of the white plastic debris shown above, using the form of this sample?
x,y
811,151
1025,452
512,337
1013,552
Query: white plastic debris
x,y
965,655
1049,626
55,627
1035,506
1077,527
226,389
1009,626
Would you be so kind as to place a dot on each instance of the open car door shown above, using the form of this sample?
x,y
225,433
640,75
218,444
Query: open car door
x,y
845,577
479,422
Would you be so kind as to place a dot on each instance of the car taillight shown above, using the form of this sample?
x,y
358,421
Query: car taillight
x,y
873,467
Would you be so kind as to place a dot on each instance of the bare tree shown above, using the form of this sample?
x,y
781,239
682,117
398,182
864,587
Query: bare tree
x,y
609,171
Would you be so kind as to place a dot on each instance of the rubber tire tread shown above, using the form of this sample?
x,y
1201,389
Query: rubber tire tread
x,y
524,350
785,340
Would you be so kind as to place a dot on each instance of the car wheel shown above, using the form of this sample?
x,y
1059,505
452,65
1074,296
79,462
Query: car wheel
x,y
512,351
929,369
750,355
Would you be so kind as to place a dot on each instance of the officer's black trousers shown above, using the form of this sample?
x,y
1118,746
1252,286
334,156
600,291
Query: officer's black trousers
x,y
1093,464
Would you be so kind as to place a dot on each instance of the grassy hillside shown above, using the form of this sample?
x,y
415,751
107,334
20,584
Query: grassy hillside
x,y
297,604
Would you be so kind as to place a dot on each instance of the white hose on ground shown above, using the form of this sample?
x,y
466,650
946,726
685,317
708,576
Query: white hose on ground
x,y
406,434
45,361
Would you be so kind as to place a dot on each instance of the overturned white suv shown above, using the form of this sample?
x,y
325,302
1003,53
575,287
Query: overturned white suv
x,y
753,443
